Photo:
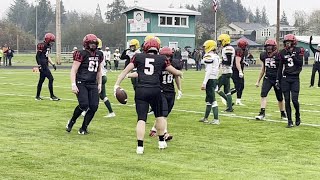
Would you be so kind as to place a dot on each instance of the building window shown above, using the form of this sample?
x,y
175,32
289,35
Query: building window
x,y
177,21
173,21
163,20
265,33
169,21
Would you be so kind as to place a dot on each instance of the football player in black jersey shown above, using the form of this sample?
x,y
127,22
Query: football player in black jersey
x,y
86,79
43,60
237,69
148,89
291,61
269,69
168,90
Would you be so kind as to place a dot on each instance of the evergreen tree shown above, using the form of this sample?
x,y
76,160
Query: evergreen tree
x,y
97,15
264,17
284,19
114,10
257,16
18,13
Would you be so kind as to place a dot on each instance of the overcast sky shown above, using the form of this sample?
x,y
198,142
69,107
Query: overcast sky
x,y
84,6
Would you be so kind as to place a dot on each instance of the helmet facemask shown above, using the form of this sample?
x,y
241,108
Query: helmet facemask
x,y
92,46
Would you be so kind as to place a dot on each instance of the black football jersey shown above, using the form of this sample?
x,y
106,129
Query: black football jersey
x,y
292,61
88,69
271,64
149,69
167,79
239,53
43,50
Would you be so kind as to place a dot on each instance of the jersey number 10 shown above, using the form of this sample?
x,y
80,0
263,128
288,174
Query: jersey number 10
x,y
93,66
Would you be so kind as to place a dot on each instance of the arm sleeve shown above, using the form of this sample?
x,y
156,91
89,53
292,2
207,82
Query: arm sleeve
x,y
38,58
124,55
134,61
207,75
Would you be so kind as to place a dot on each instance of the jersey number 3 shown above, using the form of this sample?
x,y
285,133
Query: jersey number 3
x,y
149,68
93,66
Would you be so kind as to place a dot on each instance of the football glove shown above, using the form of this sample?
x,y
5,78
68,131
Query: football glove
x,y
54,67
241,75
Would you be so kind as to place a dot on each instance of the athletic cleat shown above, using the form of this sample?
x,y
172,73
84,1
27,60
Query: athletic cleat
x,y
238,102
228,110
290,125
284,117
167,137
162,145
260,117
215,122
38,98
310,86
110,115
69,126
140,150
298,122
54,98
223,101
82,132
204,120
150,112
152,133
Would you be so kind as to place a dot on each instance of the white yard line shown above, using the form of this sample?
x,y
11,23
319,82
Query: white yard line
x,y
231,115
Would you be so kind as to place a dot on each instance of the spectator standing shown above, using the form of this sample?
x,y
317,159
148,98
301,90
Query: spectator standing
x,y
185,57
306,56
197,57
9,53
1,55
4,49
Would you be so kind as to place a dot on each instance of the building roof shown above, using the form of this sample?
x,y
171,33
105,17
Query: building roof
x,y
249,26
251,43
180,11
306,39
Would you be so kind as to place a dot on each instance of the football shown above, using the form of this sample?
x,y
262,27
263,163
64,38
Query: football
x,y
121,95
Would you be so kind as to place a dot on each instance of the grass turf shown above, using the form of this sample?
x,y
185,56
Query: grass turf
x,y
34,144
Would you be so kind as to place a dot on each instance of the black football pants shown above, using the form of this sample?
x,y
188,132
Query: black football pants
x,y
46,73
291,87
316,68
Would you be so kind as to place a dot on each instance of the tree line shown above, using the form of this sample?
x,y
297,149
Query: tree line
x,y
110,27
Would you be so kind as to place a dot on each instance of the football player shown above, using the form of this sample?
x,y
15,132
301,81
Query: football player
x,y
228,55
291,61
148,92
86,79
107,57
116,59
168,90
104,69
134,48
43,59
212,61
269,69
238,67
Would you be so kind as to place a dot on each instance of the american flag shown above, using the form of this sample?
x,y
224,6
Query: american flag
x,y
215,5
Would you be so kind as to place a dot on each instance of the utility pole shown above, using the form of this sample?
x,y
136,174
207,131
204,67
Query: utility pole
x,y
58,32
278,23
36,39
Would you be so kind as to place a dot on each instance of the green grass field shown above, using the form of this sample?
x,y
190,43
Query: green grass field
x,y
35,145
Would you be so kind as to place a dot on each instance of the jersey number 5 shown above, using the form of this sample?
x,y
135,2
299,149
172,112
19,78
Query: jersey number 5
x,y
93,66
149,68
